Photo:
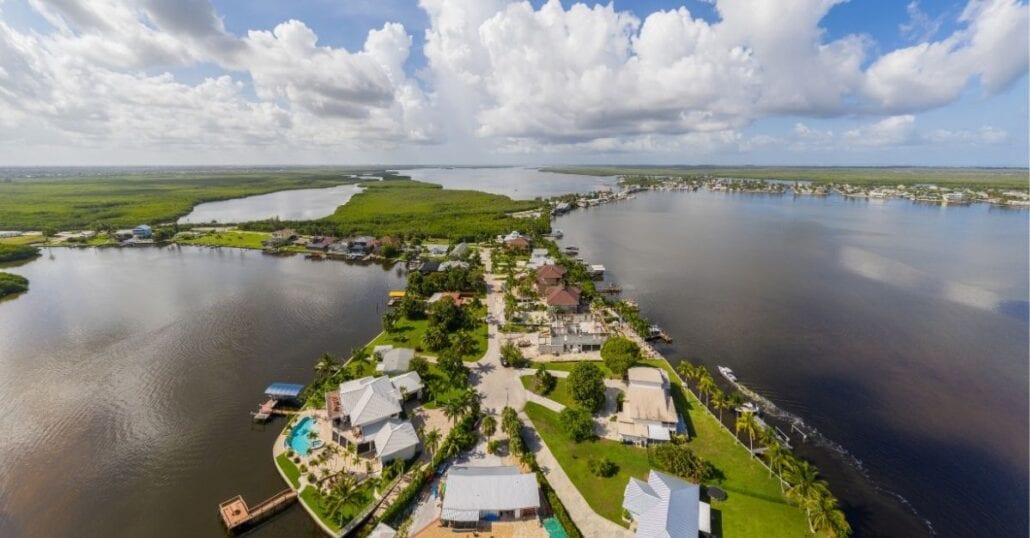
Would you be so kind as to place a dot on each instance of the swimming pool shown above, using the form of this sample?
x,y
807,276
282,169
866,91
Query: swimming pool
x,y
554,528
298,438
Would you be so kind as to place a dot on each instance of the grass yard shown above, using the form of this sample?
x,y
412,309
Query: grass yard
x,y
236,239
755,506
314,500
560,392
408,333
289,469
604,495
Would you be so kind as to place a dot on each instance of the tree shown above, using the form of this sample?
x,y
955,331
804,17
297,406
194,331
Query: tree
x,y
775,455
805,487
577,423
453,367
431,440
512,357
686,370
681,461
510,423
602,467
720,401
412,307
620,354
543,380
326,365
586,383
747,423
390,319
447,315
827,517
435,338
341,493
420,365
453,410
463,343
488,426
705,384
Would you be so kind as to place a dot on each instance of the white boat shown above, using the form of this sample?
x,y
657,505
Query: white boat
x,y
727,373
749,407
557,234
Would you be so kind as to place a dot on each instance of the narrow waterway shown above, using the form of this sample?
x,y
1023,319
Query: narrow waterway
x,y
517,183
298,204
897,330
127,377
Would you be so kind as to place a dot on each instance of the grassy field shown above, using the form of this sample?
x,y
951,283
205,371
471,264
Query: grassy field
x,y
313,499
237,239
21,240
289,468
560,392
406,207
1003,178
755,506
408,333
121,201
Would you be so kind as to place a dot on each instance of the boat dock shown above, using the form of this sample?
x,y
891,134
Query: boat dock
x,y
236,515
276,393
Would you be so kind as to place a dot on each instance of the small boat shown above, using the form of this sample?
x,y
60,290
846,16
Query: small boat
x,y
571,248
727,373
557,234
749,407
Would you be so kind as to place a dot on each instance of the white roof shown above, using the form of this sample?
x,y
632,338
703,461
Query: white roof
x,y
665,507
489,489
382,530
453,264
397,359
381,349
369,400
645,374
409,381
394,436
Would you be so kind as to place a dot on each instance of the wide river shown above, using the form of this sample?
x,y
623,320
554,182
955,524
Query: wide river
x,y
297,204
898,331
515,182
127,377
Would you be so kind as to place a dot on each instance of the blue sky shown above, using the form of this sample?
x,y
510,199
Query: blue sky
x,y
874,82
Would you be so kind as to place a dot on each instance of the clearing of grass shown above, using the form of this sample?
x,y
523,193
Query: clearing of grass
x,y
408,333
314,500
235,239
289,469
560,393
21,240
755,506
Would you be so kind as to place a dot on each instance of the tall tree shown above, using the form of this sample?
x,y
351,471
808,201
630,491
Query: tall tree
x,y
805,487
747,423
586,383
339,495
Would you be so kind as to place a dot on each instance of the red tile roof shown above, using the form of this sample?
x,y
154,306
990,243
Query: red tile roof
x,y
550,272
563,296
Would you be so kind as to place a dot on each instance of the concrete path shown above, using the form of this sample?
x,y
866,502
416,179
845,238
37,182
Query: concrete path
x,y
588,521
546,402
499,386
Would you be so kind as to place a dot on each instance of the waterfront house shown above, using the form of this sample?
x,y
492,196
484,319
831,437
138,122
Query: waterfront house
x,y
474,494
436,250
459,251
122,235
549,275
280,238
666,507
539,258
519,243
320,242
395,360
340,248
577,333
428,266
393,439
441,295
452,264
562,298
361,244
360,404
648,413
143,231
408,384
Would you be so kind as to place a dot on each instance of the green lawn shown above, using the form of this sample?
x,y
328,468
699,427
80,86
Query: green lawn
x,y
568,365
755,506
289,468
237,239
313,499
560,392
604,495
408,333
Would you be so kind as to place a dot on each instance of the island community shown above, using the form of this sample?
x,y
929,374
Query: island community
x,y
507,395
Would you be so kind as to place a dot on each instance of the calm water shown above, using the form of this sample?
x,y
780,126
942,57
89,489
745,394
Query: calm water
x,y
517,183
127,377
897,330
300,204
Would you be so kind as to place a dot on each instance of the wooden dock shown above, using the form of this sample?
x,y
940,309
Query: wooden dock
x,y
266,410
236,515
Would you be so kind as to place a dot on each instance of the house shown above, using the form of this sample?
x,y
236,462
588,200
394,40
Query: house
x,y
341,247
459,251
394,439
519,243
280,238
359,406
320,242
473,494
562,298
452,264
122,235
361,245
648,413
383,530
441,295
10,233
549,275
436,250
573,334
666,507
396,360
428,266
539,258
408,384
143,231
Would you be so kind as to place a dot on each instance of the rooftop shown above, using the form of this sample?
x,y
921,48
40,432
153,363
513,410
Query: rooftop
x,y
474,489
666,507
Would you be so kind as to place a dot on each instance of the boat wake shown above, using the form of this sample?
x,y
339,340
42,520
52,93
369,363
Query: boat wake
x,y
811,434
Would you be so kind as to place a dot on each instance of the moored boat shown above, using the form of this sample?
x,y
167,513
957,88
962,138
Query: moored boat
x,y
727,373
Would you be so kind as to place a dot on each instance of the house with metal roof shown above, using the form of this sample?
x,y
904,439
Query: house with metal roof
x,y
459,251
648,412
666,507
284,391
395,360
393,439
474,494
408,384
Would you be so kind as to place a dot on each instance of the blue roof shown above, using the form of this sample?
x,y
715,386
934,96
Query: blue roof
x,y
283,390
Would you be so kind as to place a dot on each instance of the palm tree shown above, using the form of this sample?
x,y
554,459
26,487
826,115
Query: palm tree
x,y
746,422
720,401
431,439
341,493
488,426
453,409
825,516
736,400
325,366
705,385
776,455
686,370
805,487
463,343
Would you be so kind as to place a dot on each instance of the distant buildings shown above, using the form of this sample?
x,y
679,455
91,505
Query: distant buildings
x,y
488,493
666,507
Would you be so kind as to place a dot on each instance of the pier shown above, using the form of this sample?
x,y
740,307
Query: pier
x,y
277,393
236,515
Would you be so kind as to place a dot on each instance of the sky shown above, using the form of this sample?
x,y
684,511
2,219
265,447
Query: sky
x,y
775,82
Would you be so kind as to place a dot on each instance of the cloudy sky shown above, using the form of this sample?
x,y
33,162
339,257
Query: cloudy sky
x,y
930,82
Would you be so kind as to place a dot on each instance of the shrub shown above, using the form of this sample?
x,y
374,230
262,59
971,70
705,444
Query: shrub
x,y
312,478
603,467
577,423
681,461
512,356
543,380
492,446
620,354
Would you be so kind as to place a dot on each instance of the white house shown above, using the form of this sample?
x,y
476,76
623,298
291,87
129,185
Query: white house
x,y
395,360
648,412
666,507
408,384
476,493
394,439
